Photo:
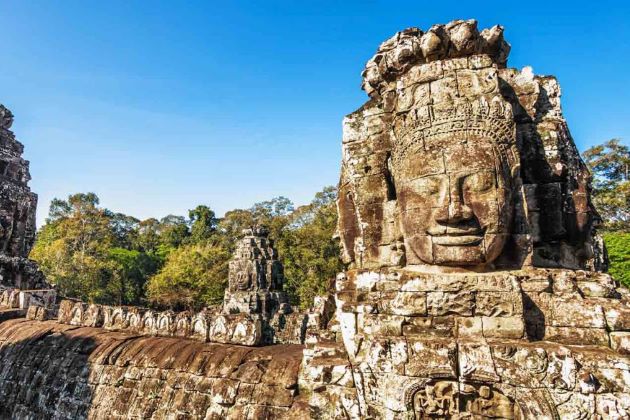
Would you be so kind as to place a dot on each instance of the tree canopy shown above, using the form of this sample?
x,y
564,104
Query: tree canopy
x,y
180,262
610,166
618,246
192,277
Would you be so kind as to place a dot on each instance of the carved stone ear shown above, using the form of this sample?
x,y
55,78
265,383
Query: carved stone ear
x,y
516,171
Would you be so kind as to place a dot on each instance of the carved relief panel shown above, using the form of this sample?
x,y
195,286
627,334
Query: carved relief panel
x,y
454,400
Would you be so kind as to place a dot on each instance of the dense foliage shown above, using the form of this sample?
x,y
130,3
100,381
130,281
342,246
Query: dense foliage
x,y
610,165
618,246
193,276
100,256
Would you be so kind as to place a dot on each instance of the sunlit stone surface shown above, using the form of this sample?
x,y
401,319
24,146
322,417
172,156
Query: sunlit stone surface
x,y
474,286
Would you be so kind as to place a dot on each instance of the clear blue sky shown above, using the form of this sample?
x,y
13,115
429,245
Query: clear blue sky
x,y
158,106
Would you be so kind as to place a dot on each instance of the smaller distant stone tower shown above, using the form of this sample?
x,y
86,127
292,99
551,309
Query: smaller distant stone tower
x,y
255,277
17,213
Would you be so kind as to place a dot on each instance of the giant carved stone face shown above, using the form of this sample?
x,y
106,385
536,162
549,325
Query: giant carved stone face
x,y
455,201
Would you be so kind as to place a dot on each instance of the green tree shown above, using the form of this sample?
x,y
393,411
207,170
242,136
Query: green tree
x,y
274,214
72,248
147,238
610,166
174,230
193,276
130,270
618,246
203,224
125,228
230,227
308,250
264,211
97,255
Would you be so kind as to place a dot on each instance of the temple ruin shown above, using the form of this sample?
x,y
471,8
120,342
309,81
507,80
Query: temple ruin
x,y
475,284
21,282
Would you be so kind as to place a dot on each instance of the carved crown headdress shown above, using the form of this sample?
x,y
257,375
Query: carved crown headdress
x,y
444,86
426,125
441,42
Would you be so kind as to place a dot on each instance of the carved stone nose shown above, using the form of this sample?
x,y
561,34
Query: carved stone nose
x,y
459,211
454,210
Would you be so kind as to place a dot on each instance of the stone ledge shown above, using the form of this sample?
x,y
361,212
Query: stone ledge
x,y
82,372
205,326
22,299
6,314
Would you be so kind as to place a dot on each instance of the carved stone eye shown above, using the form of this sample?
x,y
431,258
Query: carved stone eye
x,y
479,182
429,185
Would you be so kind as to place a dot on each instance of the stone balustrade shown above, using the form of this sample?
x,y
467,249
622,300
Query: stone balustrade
x,y
22,299
205,326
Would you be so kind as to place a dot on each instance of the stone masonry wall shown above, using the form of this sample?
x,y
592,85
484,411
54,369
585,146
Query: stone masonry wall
x,y
52,370
543,343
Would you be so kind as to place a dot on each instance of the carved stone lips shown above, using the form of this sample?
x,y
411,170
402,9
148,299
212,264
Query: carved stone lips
x,y
468,238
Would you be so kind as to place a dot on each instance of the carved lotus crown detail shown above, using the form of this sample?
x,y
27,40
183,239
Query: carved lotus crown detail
x,y
427,126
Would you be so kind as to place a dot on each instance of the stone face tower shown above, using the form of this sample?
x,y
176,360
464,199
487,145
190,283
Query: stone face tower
x,y
255,277
466,221
17,212
459,161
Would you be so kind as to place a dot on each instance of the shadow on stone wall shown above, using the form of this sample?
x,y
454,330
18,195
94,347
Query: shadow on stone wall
x,y
52,370
555,180
43,373
534,319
